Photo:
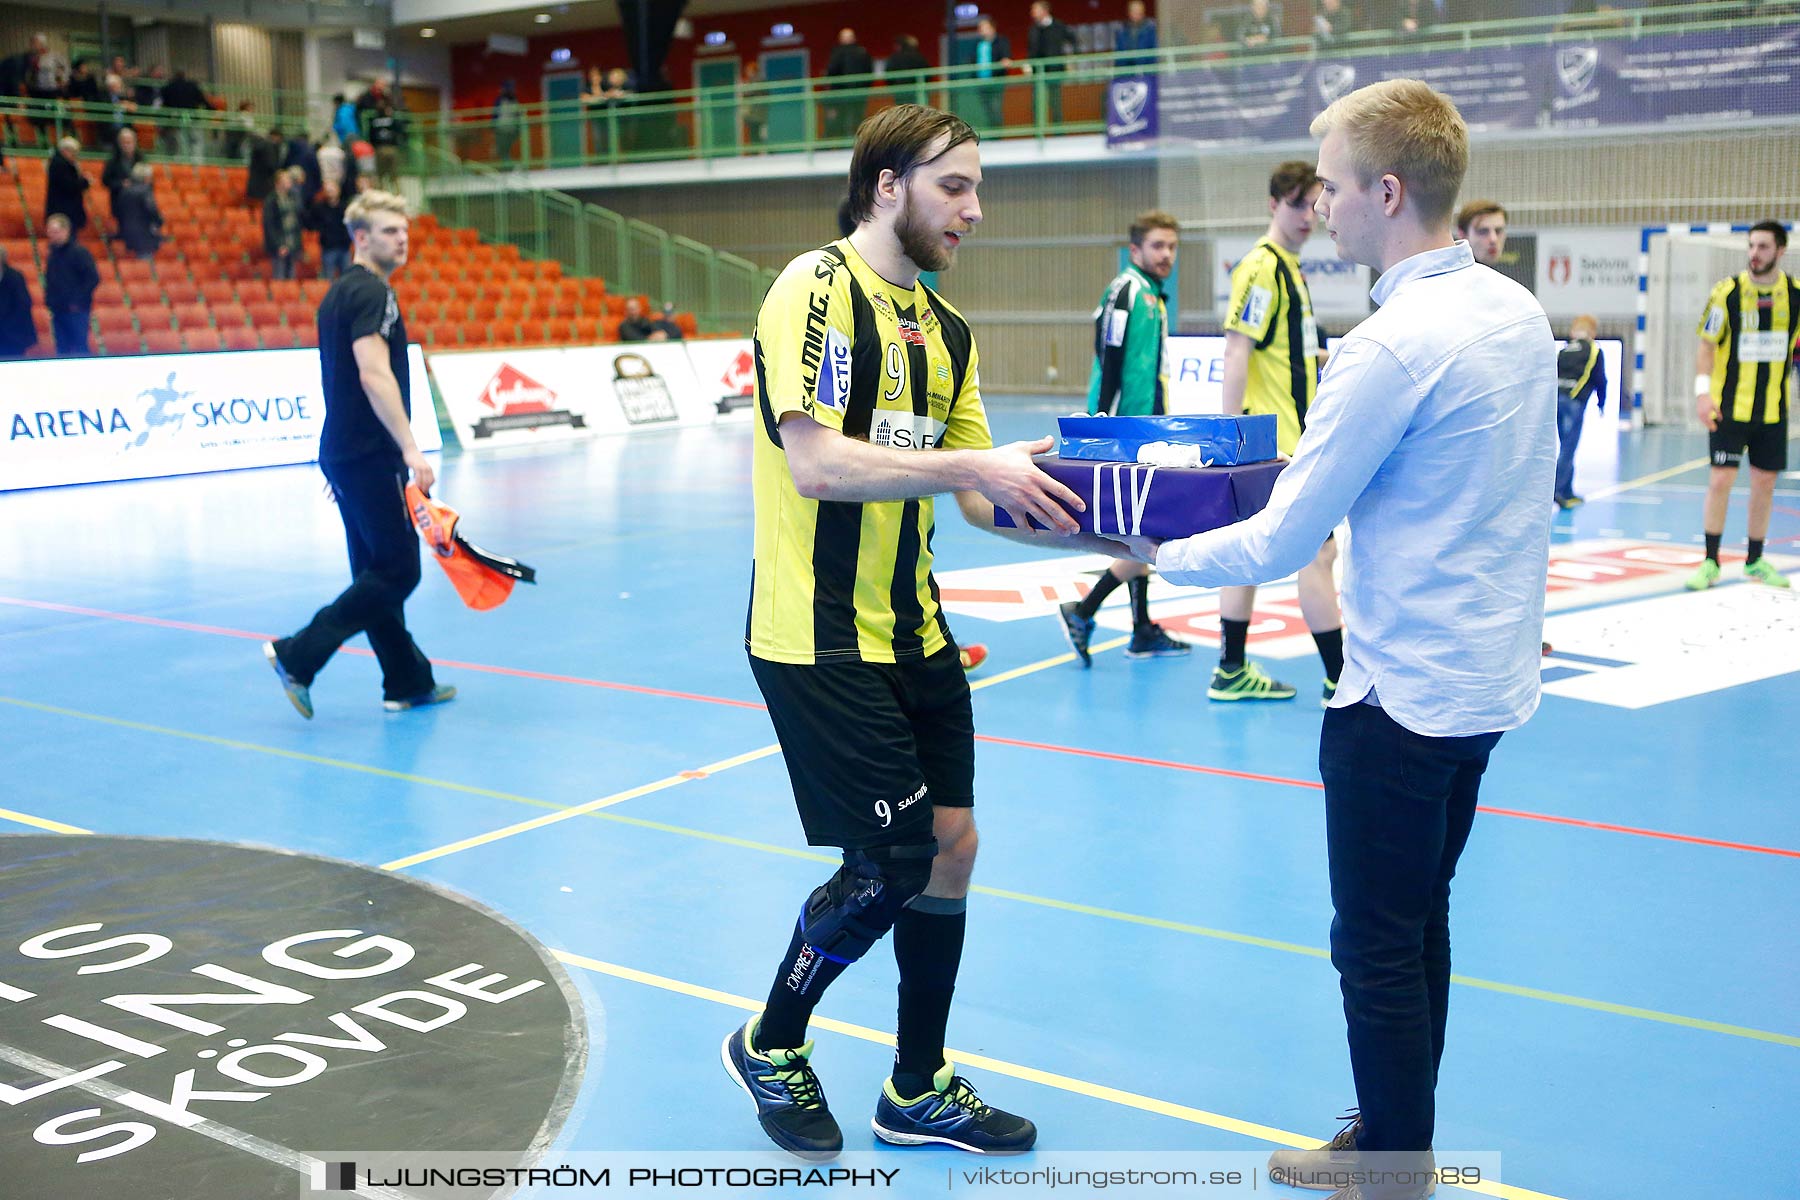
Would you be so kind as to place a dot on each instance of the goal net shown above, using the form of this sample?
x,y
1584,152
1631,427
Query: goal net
x,y
1682,268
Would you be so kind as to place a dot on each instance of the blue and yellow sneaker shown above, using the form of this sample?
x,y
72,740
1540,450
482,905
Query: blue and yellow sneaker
x,y
1079,630
298,694
951,1114
443,693
790,1104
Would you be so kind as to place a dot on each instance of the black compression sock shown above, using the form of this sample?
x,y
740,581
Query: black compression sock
x,y
928,944
1331,652
1712,545
1140,603
1756,549
1231,644
801,981
1103,587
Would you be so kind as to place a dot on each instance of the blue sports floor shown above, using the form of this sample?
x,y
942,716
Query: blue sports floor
x,y
1145,967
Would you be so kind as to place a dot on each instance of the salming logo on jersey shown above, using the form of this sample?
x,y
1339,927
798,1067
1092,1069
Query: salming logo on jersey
x,y
1754,328
836,343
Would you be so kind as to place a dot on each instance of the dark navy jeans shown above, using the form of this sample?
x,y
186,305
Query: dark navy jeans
x,y
1398,808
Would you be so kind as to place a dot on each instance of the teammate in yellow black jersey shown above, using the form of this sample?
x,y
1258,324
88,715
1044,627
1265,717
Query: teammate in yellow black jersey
x,y
1745,362
1272,367
868,401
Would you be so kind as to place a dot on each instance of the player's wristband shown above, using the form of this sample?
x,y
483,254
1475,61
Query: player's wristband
x,y
1702,386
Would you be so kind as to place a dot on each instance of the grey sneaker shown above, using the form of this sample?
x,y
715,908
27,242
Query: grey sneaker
x,y
298,694
1318,1170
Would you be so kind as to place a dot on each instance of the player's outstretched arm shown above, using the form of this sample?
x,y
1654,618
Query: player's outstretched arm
x,y
826,465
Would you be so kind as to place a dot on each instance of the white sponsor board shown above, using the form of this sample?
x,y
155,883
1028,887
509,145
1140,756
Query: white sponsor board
x,y
1589,269
92,420
525,397
725,369
1196,374
1339,288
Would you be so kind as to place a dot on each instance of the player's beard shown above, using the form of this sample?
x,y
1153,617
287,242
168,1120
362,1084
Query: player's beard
x,y
924,246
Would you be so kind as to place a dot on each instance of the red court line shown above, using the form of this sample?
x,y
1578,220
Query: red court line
x,y
1047,747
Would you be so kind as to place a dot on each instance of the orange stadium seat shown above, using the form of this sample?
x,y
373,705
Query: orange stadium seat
x,y
284,291
202,339
219,291
108,294
143,291
181,291
162,341
114,318
134,270
299,313
193,316
228,315
239,337
152,316
307,335
119,341
587,330
264,312
276,337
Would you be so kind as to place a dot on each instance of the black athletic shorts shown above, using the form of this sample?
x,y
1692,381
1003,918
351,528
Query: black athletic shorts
x,y
1767,444
870,747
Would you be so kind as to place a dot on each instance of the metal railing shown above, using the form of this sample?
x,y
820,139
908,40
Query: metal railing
x,y
722,290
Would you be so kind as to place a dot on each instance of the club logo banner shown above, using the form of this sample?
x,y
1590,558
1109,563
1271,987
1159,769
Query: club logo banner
x,y
95,420
1717,76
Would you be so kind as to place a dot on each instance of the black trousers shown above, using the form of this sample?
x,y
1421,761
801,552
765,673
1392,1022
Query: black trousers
x,y
1398,810
384,570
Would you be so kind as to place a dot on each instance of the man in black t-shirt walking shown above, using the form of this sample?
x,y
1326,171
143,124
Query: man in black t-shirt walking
x,y
365,451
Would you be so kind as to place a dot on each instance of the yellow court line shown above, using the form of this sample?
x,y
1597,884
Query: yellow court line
x,y
1646,480
1046,664
41,822
998,1066
595,808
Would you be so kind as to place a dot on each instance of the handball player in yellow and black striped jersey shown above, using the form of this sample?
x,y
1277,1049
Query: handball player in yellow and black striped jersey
x,y
868,403
1745,362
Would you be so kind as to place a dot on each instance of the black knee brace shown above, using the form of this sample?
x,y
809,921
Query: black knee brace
x,y
856,907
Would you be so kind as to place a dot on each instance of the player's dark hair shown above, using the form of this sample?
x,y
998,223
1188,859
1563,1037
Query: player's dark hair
x,y
1291,179
1774,229
896,139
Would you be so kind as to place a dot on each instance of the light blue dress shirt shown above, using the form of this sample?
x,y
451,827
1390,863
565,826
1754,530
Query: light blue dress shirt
x,y
1434,431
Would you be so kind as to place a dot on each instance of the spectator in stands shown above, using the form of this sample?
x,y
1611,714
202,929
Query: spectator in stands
x,y
1257,28
83,87
64,192
666,325
992,55
302,156
119,106
636,327
70,278
596,101
906,69
755,108
331,163
281,226
17,333
1413,16
848,58
266,157
326,215
344,121
118,66
134,208
1049,38
239,137
387,133
148,89
46,75
1332,21
370,100
125,156
1136,35
509,119
187,100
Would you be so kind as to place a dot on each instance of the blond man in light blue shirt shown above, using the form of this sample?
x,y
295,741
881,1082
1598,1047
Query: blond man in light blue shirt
x,y
1434,432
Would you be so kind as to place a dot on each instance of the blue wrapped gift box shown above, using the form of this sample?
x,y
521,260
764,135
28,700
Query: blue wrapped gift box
x,y
1223,441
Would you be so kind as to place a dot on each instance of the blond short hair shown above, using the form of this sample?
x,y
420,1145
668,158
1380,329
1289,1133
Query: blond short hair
x,y
1405,128
1585,319
362,209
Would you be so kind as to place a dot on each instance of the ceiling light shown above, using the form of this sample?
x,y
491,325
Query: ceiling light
x,y
428,31
542,18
